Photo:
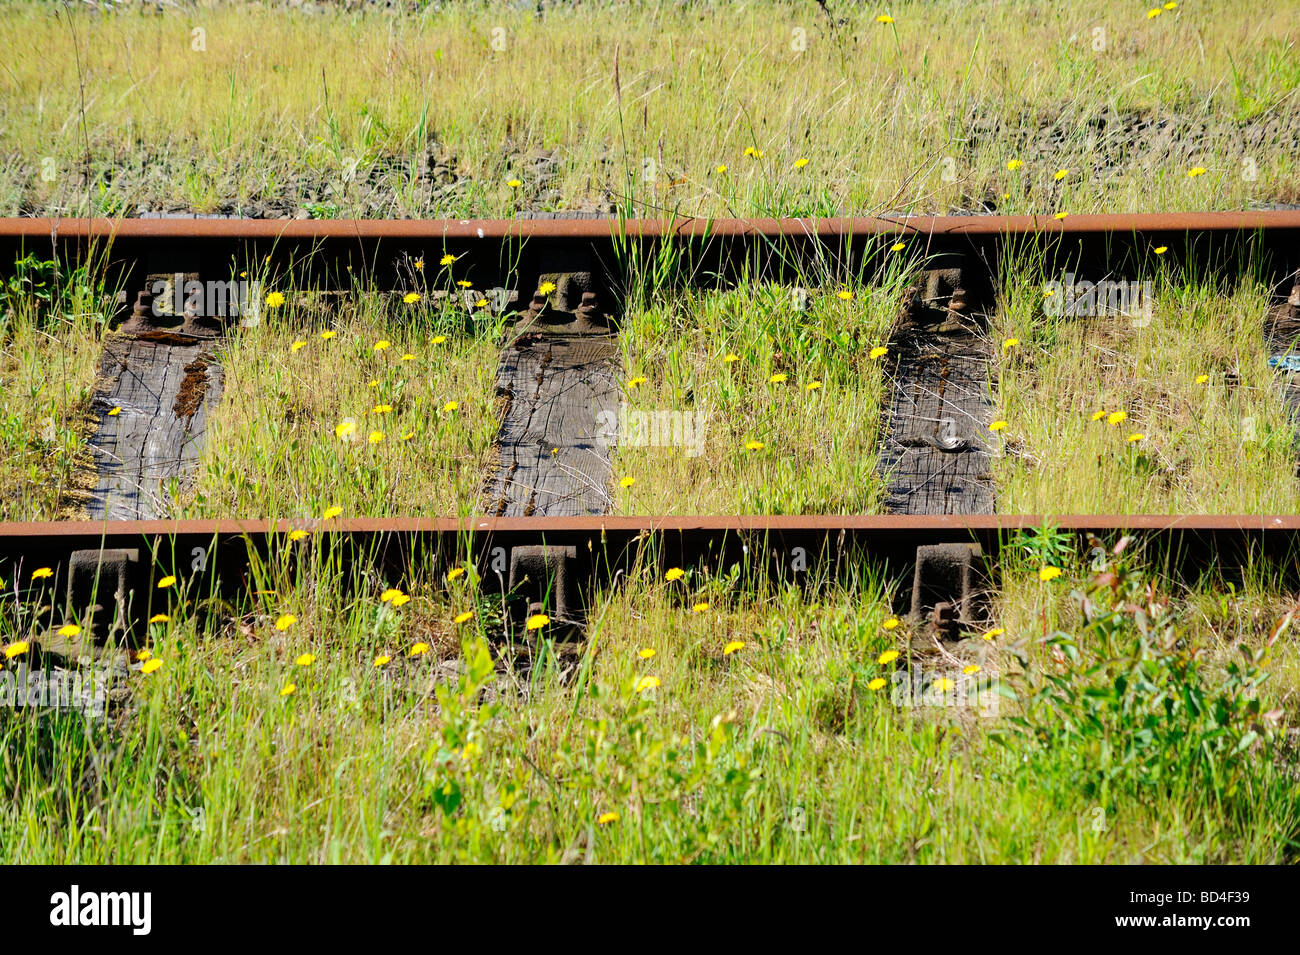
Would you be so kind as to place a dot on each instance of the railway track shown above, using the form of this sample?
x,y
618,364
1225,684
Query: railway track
x,y
544,542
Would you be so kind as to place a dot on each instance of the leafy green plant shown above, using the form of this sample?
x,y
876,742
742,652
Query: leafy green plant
x,y
1128,704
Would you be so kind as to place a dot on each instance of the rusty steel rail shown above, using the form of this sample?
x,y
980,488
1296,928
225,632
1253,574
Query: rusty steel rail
x,y
553,563
494,252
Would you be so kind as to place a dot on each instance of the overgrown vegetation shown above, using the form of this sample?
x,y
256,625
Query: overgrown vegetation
x,y
711,718
708,108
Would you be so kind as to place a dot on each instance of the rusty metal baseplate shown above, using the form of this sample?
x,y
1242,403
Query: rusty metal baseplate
x,y
949,589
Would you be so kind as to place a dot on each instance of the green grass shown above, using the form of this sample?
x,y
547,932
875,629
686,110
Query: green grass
x,y
51,325
720,717
1221,445
306,423
777,751
789,425
350,114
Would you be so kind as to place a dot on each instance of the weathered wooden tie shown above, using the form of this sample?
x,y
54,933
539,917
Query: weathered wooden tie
x,y
558,381
158,378
934,454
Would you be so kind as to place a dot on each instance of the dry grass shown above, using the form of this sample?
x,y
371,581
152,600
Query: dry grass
x,y
338,113
1221,446
337,423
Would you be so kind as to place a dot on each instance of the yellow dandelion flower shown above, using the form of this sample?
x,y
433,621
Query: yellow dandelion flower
x,y
439,339
275,300
298,345
891,623
647,683
42,572
605,818
943,684
998,426
1160,249
627,481
877,684
880,351
159,618
408,435
972,668
1060,215
674,573
401,600
382,344
754,445
1171,5
417,649
285,621
1195,171
812,385
1010,343
889,656
700,607
455,572
166,582
16,649
389,594
447,259
1098,415
778,378
114,412
1117,417
800,163
305,659
546,288
1136,437
344,428
383,660
288,689
993,634
733,647
720,169
1202,379
898,247
1015,164
465,617
419,265
68,630
144,655
451,406
1060,174
1153,13
332,512
373,383
151,666
481,303
1049,573
729,358
844,295
636,381
410,298
646,653
381,409
328,334
375,437
537,621
514,183
884,18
